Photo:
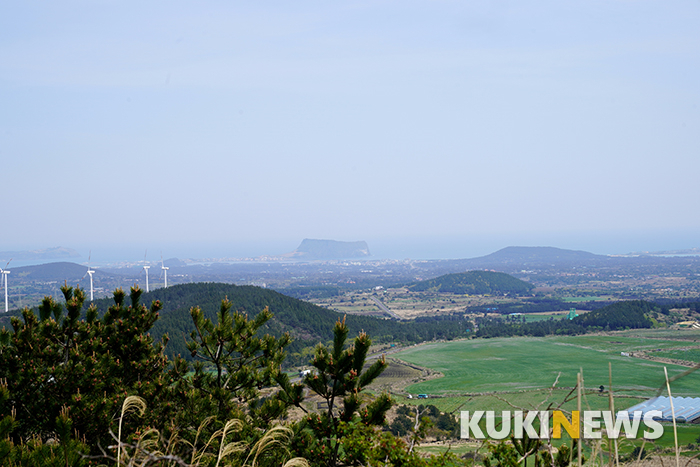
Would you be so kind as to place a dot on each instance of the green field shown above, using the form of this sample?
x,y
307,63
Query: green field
x,y
692,355
526,366
531,317
502,374
688,335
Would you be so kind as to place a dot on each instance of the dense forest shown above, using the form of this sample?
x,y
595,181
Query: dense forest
x,y
473,283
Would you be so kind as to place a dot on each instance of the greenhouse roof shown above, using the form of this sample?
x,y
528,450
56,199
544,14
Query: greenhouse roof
x,y
687,409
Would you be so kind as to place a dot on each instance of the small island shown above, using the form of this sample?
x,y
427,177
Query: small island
x,y
312,249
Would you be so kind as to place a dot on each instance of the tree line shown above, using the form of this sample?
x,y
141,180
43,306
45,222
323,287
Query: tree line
x,y
630,314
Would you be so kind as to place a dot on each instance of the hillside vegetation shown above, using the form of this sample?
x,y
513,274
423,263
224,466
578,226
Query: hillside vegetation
x,y
82,389
523,255
308,324
474,282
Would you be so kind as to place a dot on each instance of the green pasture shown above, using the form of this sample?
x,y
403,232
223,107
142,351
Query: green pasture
x,y
514,365
692,355
688,335
531,317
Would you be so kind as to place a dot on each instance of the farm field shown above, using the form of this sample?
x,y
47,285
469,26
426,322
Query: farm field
x,y
522,369
686,335
407,304
393,374
532,317
692,355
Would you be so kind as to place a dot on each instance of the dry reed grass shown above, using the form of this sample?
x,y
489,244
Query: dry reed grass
x,y
152,449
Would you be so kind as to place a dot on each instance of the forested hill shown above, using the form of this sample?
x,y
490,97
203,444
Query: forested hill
x,y
522,255
474,282
307,323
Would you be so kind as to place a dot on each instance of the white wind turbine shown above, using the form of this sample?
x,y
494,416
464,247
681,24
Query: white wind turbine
x,y
90,272
165,270
145,267
4,273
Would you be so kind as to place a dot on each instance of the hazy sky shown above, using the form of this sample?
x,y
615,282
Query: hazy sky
x,y
235,126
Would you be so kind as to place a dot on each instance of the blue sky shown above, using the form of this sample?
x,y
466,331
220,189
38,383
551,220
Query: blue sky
x,y
244,127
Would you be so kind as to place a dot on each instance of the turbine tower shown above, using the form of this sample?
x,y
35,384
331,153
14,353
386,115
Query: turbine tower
x,y
4,273
165,271
145,267
91,272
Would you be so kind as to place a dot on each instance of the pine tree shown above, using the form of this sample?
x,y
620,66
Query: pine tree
x,y
339,377
58,362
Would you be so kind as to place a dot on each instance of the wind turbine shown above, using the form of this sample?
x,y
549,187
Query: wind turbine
x,y
165,270
145,267
90,272
4,273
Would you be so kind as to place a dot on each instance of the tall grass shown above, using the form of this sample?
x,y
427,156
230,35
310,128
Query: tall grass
x,y
130,404
151,448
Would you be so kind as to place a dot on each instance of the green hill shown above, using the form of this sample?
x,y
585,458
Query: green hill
x,y
529,255
309,324
474,283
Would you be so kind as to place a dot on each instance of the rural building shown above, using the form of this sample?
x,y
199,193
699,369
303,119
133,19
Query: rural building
x,y
686,409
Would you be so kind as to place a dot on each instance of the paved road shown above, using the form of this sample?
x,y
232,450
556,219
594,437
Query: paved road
x,y
384,308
